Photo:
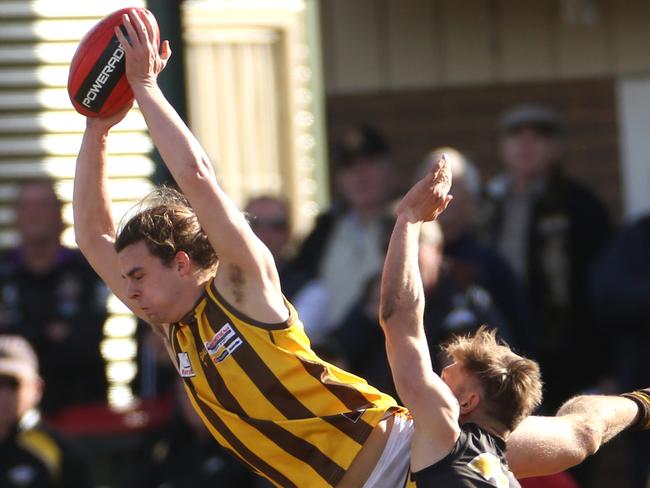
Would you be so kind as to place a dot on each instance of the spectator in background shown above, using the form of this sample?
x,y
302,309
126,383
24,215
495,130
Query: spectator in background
x,y
450,308
468,260
31,454
271,222
51,296
620,292
185,455
346,247
549,228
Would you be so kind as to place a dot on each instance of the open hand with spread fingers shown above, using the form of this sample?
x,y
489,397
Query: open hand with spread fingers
x,y
429,197
143,61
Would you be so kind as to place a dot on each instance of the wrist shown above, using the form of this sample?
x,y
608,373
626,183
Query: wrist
x,y
97,129
143,87
642,400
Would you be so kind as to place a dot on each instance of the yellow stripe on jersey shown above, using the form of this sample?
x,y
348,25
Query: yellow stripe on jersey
x,y
267,397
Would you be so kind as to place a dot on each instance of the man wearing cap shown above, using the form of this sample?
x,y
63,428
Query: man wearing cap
x,y
549,227
347,246
31,455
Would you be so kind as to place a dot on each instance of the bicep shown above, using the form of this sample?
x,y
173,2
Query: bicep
x,y
101,255
543,445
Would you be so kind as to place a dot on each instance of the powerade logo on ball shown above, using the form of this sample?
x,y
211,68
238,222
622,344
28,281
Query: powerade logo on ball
x,y
101,80
103,77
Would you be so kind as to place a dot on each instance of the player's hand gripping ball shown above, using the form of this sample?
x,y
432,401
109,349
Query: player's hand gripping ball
x,y
97,83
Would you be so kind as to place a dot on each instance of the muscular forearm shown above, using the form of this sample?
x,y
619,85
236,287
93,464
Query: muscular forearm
x,y
597,419
402,295
178,147
91,203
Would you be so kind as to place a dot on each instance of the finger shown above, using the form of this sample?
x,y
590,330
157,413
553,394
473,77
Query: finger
x,y
145,17
165,51
126,45
435,170
138,26
130,31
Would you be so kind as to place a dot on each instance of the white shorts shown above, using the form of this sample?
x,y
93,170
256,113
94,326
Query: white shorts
x,y
393,465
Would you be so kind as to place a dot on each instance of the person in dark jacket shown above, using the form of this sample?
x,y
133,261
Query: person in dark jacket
x,y
51,296
550,228
347,245
31,454
620,292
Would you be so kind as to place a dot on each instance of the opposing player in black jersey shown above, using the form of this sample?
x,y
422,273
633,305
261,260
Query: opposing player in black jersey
x,y
461,420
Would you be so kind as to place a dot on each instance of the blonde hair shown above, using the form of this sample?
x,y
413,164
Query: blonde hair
x,y
512,384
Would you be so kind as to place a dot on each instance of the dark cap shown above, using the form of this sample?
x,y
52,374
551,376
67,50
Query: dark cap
x,y
360,141
539,117
17,358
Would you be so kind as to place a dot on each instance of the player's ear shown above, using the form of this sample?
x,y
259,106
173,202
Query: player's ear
x,y
182,263
469,403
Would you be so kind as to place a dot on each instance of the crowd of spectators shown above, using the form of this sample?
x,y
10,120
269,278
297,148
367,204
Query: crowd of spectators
x,y
531,253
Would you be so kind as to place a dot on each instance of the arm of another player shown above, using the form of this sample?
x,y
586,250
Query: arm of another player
x,y
94,225
546,445
232,238
433,406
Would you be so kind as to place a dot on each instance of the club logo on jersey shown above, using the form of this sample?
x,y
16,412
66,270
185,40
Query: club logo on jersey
x,y
184,366
489,466
223,344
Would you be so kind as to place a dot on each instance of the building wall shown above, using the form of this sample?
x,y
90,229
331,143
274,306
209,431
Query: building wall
x,y
377,45
439,72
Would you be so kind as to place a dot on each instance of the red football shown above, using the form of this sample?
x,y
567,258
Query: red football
x,y
97,83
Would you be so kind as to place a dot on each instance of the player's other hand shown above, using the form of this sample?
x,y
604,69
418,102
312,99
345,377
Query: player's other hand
x,y
143,61
103,124
429,197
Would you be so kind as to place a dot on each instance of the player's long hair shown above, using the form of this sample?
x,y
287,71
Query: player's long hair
x,y
167,224
512,384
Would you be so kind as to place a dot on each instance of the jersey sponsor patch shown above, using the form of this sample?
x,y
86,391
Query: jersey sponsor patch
x,y
230,348
489,466
223,344
222,336
185,366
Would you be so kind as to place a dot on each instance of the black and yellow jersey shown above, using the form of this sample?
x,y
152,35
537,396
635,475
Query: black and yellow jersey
x,y
476,461
268,399
34,456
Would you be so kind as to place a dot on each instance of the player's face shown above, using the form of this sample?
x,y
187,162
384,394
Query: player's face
x,y
152,285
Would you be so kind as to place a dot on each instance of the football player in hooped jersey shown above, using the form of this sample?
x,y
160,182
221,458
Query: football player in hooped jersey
x,y
194,270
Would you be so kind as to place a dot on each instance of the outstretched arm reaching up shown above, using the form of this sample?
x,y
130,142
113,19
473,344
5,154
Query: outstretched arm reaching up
x,y
247,276
431,402
94,225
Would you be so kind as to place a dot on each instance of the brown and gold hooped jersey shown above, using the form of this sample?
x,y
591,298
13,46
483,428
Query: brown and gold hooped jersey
x,y
268,399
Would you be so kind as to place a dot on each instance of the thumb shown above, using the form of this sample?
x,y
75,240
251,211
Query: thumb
x,y
165,51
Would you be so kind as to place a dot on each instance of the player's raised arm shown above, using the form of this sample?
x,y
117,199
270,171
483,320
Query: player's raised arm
x,y
242,256
433,406
93,222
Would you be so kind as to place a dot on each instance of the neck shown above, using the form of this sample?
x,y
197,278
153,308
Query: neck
x,y
489,425
40,255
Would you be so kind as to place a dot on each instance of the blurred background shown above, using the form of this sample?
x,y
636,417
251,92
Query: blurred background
x,y
317,115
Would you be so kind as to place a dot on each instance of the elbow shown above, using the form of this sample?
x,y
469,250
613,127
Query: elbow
x,y
196,169
588,439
